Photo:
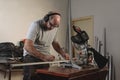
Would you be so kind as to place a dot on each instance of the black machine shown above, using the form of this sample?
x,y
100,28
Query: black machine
x,y
81,38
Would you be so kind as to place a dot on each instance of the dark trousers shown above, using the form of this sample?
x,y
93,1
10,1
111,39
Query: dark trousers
x,y
29,71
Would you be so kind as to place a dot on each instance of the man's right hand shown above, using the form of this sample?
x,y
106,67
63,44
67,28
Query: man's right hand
x,y
48,58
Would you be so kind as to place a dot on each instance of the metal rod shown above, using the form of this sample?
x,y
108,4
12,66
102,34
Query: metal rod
x,y
35,63
105,52
69,30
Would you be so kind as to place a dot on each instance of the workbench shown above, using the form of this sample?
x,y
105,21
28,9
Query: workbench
x,y
60,73
57,72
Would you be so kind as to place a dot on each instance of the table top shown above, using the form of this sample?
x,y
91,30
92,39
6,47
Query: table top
x,y
67,72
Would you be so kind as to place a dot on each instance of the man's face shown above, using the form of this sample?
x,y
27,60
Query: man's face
x,y
53,22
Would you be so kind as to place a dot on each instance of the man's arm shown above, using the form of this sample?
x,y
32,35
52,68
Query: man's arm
x,y
28,46
57,47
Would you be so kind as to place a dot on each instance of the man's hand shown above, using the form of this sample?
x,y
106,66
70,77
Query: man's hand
x,y
66,56
48,58
57,47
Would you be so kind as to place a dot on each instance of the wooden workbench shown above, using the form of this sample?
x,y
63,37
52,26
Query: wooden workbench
x,y
59,73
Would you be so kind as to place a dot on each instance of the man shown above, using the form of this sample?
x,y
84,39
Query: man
x,y
41,35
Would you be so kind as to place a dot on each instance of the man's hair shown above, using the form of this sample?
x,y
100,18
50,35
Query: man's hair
x,y
51,13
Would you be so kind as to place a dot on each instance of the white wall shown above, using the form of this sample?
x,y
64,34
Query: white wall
x,y
106,15
17,15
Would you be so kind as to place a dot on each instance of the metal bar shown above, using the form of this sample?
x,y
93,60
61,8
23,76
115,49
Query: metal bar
x,y
35,63
105,51
9,75
69,30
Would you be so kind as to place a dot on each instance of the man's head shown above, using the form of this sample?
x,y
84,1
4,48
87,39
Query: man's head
x,y
52,19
